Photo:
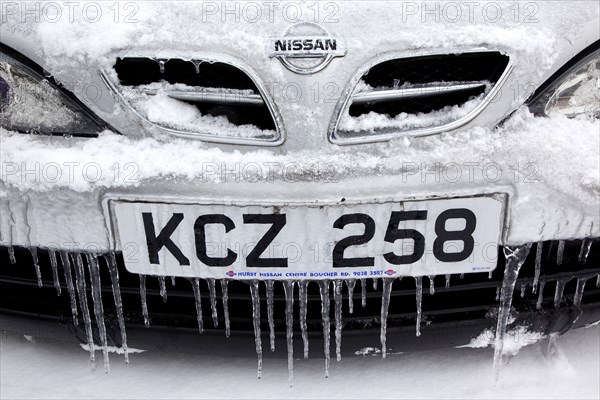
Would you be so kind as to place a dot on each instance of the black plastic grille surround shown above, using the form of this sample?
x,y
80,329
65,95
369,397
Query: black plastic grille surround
x,y
138,71
427,70
468,298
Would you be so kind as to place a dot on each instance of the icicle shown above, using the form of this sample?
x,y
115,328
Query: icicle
x,y
324,289
586,246
431,285
54,265
375,282
351,283
114,277
64,257
303,295
197,299
337,297
213,301
288,287
225,300
462,276
143,299
523,289
270,303
540,295
85,311
161,64
36,265
197,65
538,265
598,281
558,294
419,293
11,255
448,281
254,291
515,257
579,291
560,252
385,304
94,271
163,288
490,274
363,292
498,293
173,281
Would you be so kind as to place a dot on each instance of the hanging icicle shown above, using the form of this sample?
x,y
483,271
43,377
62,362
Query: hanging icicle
x,y
225,300
586,246
351,283
94,271
375,282
288,287
54,265
213,301
540,295
85,311
11,255
560,252
431,285
462,276
198,301
337,297
490,274
385,304
254,292
163,288
173,281
303,295
558,294
66,263
523,289
498,293
363,292
143,300
538,265
579,291
448,281
111,261
36,265
515,257
270,305
419,294
324,289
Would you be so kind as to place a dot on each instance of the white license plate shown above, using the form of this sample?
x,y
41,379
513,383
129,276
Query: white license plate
x,y
411,238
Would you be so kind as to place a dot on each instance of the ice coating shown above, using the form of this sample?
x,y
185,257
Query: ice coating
x,y
324,290
94,271
111,262
385,304
270,288
515,257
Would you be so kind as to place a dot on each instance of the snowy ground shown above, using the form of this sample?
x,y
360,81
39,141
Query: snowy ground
x,y
53,365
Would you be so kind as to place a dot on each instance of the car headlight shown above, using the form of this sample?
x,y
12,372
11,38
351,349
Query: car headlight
x,y
32,103
574,91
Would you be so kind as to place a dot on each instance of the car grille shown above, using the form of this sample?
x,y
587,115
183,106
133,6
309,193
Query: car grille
x,y
216,89
468,297
419,95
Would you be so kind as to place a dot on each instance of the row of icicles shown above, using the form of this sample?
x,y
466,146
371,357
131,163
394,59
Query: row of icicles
x,y
515,257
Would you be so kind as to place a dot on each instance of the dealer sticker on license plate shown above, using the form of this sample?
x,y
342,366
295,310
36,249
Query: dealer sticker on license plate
x,y
412,238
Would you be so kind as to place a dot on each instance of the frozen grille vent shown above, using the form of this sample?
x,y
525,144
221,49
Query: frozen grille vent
x,y
417,95
205,99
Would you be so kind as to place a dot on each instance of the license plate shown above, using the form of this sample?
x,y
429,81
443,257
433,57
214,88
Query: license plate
x,y
391,239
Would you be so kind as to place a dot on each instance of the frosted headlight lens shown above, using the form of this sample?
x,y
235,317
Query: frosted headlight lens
x,y
579,94
31,104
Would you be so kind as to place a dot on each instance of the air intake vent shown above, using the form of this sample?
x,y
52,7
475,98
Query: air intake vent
x,y
417,96
205,99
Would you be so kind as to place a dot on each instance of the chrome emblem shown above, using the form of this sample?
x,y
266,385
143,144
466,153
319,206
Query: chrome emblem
x,y
306,48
